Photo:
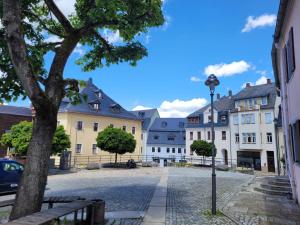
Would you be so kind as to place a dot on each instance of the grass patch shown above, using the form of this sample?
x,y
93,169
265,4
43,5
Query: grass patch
x,y
207,213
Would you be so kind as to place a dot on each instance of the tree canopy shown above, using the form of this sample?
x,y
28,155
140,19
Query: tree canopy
x,y
20,135
202,148
116,140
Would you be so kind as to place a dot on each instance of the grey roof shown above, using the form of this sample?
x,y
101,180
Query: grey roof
x,y
263,90
15,110
92,94
167,129
225,103
146,116
280,18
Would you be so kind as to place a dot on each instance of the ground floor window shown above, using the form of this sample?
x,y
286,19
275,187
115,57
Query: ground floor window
x,y
179,150
158,149
295,139
168,150
94,149
153,149
249,159
173,150
78,148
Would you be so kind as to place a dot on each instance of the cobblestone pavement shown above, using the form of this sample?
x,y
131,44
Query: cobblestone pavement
x,y
249,207
189,195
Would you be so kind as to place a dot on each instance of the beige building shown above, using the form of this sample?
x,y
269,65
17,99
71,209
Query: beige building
x,y
286,61
84,121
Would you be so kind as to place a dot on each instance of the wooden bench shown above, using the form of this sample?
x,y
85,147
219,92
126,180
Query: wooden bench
x,y
50,200
94,214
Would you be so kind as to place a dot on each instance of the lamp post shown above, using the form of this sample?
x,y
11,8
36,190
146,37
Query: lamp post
x,y
212,81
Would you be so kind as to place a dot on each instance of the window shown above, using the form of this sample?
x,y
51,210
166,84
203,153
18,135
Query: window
x,y
223,135
235,119
209,119
268,118
173,150
269,137
96,106
264,101
193,120
249,138
79,125
199,135
168,150
295,139
208,135
95,127
156,137
124,128
184,150
158,149
223,119
237,138
237,104
11,166
290,55
179,150
78,148
164,124
133,130
153,149
191,135
142,136
94,149
171,137
248,118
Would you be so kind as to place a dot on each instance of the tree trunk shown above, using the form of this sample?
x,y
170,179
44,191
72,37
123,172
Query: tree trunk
x,y
116,159
30,195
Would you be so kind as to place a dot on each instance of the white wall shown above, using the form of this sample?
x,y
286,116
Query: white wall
x,y
163,151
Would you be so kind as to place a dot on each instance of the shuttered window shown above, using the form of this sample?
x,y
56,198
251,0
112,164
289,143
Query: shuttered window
x,y
295,134
290,55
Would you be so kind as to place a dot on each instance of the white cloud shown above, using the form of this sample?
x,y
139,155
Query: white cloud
x,y
140,107
224,69
67,7
177,107
52,38
79,49
259,81
168,20
112,36
261,72
147,38
260,21
195,79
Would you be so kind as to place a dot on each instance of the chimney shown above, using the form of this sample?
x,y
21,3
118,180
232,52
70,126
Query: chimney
x,y
269,81
248,85
230,93
218,96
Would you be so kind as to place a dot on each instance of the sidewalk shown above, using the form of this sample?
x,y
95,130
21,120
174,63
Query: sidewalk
x,y
249,207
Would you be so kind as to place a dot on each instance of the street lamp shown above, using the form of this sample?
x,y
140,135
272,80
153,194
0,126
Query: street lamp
x,y
212,81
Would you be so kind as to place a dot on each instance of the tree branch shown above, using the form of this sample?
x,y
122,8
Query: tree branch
x,y
17,51
59,15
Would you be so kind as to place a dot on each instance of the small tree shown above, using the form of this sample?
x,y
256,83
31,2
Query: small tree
x,y
20,135
115,140
202,148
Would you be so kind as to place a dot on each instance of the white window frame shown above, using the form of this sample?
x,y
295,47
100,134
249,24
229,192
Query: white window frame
x,y
268,120
269,137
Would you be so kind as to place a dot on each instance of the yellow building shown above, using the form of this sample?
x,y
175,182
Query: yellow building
x,y
84,121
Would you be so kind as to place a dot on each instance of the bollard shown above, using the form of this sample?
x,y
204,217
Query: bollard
x,y
99,211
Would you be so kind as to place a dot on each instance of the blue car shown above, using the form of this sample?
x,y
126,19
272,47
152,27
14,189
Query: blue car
x,y
10,176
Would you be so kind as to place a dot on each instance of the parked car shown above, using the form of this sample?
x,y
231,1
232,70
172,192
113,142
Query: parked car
x,y
10,176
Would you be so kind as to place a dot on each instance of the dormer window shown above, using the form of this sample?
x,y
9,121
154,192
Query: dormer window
x,y
171,137
98,94
156,137
264,101
141,114
223,119
193,120
96,106
115,108
164,124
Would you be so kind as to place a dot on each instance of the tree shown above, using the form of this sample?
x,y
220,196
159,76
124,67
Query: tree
x,y
116,140
20,135
202,148
24,43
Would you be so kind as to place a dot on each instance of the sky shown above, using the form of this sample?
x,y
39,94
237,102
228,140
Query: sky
x,y
230,38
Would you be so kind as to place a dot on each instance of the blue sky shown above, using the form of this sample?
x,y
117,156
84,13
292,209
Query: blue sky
x,y
199,36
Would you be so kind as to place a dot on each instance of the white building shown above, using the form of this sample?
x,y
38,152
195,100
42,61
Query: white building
x,y
199,128
166,139
286,62
147,116
244,127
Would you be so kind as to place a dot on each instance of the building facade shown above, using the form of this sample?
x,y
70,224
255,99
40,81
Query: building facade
x,y
286,61
9,116
96,111
198,127
245,134
166,140
148,117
